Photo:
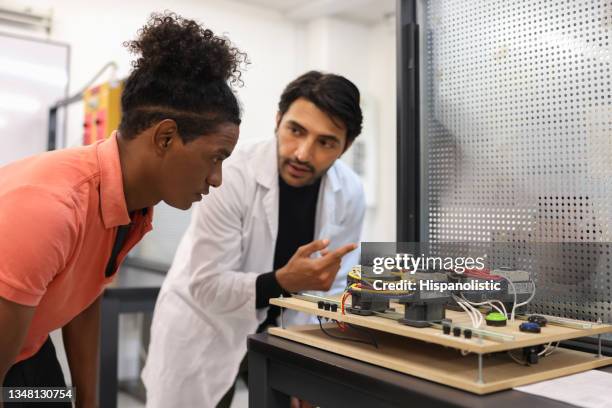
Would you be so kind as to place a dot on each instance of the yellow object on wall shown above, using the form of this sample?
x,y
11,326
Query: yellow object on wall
x,y
102,111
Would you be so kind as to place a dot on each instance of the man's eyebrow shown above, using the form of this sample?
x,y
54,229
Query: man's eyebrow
x,y
330,137
324,136
297,125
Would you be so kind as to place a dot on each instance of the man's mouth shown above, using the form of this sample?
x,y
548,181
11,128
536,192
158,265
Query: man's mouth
x,y
298,170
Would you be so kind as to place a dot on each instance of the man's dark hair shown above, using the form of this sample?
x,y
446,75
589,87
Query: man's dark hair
x,y
182,73
333,94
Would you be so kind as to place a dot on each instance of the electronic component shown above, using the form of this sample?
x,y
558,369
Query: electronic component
x,y
530,327
532,354
423,307
333,307
456,331
539,320
365,300
467,333
496,319
446,329
320,304
509,282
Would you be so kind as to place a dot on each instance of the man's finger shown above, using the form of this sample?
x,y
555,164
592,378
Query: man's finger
x,y
340,252
312,247
337,254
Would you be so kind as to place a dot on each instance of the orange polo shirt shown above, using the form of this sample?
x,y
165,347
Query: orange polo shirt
x,y
59,214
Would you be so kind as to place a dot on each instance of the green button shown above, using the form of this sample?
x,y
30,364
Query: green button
x,y
496,316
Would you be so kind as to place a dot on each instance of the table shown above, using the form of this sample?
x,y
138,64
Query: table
x,y
279,368
134,290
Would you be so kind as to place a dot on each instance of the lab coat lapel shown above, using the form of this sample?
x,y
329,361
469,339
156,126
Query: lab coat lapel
x,y
266,174
326,224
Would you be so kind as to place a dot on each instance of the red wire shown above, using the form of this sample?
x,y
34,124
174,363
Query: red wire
x,y
343,300
341,325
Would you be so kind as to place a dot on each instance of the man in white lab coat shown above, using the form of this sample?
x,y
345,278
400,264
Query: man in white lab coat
x,y
287,218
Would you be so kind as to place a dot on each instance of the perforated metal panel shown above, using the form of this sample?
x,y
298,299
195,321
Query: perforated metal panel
x,y
517,138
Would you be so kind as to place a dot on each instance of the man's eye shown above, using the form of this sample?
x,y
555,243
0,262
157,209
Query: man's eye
x,y
326,143
294,130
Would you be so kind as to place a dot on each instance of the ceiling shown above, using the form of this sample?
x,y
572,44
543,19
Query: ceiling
x,y
362,11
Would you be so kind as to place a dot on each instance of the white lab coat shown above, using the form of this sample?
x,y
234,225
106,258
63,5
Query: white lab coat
x,y
206,306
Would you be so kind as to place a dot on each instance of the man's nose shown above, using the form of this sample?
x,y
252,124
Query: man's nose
x,y
304,150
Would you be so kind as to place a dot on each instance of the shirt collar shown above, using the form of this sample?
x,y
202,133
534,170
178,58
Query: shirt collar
x,y
112,197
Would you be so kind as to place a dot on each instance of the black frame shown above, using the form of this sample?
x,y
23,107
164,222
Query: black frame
x,y
52,124
408,123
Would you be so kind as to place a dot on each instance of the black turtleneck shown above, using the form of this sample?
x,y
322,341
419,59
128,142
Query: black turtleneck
x,y
297,208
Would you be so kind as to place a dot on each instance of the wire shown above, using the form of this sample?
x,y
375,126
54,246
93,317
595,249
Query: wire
x,y
549,349
344,296
467,308
525,302
477,315
541,353
515,296
473,313
517,360
552,349
345,338
490,303
364,330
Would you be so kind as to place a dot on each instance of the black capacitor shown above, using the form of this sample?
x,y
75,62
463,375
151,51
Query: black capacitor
x,y
456,331
333,307
320,304
467,333
446,328
326,306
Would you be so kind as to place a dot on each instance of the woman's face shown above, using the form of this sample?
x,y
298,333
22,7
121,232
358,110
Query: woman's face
x,y
188,170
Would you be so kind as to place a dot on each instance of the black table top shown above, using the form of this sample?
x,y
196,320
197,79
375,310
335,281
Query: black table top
x,y
387,382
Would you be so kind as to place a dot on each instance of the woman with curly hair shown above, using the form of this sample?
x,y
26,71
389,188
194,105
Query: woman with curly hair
x,y
69,217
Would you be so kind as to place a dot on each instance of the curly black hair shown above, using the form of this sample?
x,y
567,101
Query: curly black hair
x,y
183,72
333,94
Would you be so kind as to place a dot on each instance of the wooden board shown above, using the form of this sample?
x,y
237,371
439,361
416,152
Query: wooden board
x,y
550,333
440,364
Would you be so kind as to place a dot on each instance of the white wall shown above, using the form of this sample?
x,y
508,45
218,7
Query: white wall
x,y
365,54
380,221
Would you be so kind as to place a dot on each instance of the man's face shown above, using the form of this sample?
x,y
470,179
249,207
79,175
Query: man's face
x,y
188,170
308,143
